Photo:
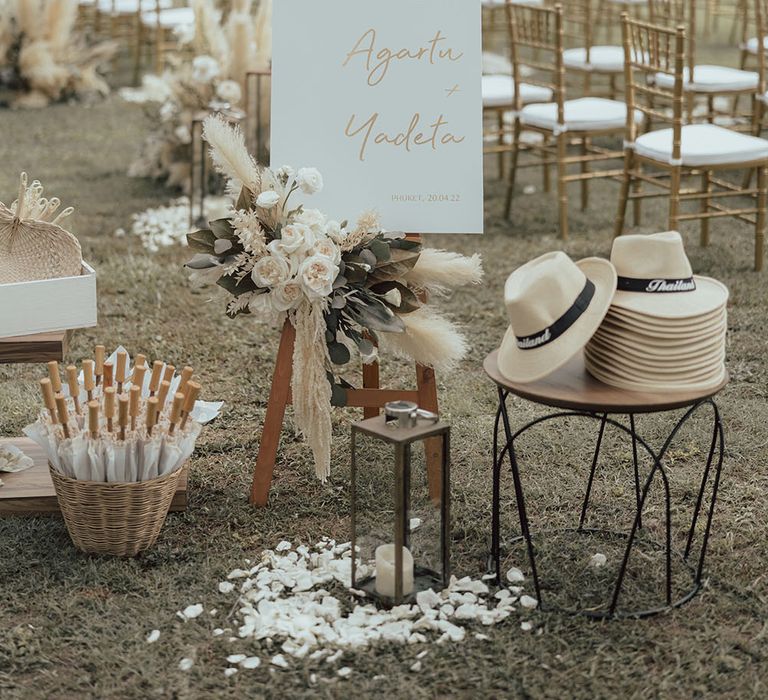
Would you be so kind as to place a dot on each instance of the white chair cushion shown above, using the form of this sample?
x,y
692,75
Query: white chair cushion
x,y
499,91
703,144
607,59
752,44
126,6
496,64
712,79
174,17
583,114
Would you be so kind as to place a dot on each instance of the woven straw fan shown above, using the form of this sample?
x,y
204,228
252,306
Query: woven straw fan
x,y
33,246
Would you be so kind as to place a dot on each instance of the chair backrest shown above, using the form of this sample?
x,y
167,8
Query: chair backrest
x,y
536,45
650,50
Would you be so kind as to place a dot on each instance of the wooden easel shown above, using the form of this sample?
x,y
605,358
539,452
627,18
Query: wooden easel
x,y
371,398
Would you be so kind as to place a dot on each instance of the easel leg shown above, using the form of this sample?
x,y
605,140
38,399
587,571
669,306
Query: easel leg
x,y
279,397
371,381
427,388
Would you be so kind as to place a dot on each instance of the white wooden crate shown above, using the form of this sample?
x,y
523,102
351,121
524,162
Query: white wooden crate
x,y
48,305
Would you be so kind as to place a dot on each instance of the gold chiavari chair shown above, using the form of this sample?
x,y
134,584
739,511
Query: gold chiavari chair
x,y
683,150
537,40
593,60
701,80
727,10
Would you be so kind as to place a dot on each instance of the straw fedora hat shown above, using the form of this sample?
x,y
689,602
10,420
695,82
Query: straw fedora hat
x,y
554,307
657,356
655,278
664,325
638,368
693,383
660,343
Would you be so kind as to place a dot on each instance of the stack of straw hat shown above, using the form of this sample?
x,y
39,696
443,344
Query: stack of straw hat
x,y
666,327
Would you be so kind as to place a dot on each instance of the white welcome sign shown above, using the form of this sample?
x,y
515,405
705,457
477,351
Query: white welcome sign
x,y
384,98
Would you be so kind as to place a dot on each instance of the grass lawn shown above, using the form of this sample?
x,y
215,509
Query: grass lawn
x,y
73,626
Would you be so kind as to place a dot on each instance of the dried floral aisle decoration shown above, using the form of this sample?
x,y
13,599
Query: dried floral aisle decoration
x,y
223,50
44,58
341,287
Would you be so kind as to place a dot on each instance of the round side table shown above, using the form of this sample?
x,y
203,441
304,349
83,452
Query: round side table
x,y
574,392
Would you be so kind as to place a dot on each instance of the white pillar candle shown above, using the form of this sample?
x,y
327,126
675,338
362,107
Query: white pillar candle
x,y
385,570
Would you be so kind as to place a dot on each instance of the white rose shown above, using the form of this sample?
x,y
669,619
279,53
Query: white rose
x,y
284,172
294,238
313,218
326,248
334,231
271,270
287,295
267,199
309,180
229,91
317,275
204,69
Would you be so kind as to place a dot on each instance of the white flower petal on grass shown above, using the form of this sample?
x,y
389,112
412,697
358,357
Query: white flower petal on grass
x,y
218,632
414,522
481,637
598,560
526,626
280,661
345,672
251,662
237,573
529,602
283,546
186,664
153,636
230,672
514,575
226,587
191,612
416,667
236,658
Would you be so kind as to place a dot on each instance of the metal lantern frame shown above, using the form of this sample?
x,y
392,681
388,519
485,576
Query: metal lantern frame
x,y
402,439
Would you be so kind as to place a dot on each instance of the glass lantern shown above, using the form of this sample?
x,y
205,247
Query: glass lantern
x,y
399,574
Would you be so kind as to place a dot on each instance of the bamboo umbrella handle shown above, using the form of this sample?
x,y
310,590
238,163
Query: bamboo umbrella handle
x,y
168,373
99,363
89,378
74,387
193,391
108,374
122,361
134,405
53,373
48,398
186,375
93,418
61,409
154,380
109,405
151,413
122,414
178,402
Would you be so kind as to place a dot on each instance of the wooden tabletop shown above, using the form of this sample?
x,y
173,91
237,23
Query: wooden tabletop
x,y
39,348
573,388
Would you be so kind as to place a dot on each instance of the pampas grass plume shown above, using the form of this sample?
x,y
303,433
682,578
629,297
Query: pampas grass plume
x,y
228,152
438,271
429,338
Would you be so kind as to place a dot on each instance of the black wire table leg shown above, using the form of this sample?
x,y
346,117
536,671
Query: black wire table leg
x,y
496,501
636,465
519,497
591,478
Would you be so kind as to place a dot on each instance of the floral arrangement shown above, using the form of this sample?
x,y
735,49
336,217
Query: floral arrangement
x,y
343,288
43,58
224,51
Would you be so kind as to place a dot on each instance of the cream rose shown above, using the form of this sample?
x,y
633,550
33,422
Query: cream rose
x,y
287,295
334,231
309,180
267,199
317,274
294,238
271,270
326,248
313,218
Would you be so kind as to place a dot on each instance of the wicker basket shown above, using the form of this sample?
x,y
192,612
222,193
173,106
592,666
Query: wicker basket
x,y
121,519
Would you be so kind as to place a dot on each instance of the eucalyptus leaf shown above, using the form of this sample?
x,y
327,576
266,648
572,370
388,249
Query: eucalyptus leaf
x,y
201,241
339,353
339,301
203,261
222,228
235,287
368,257
338,396
365,346
221,246
380,249
339,282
